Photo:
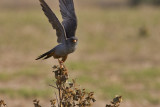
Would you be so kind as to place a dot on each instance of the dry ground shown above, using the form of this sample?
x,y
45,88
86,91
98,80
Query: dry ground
x,y
118,53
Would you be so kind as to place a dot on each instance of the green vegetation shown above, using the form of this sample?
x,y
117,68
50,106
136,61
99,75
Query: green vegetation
x,y
25,93
137,2
25,72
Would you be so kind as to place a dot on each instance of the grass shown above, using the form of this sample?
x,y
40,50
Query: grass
x,y
148,78
142,75
151,99
111,90
82,65
25,72
25,93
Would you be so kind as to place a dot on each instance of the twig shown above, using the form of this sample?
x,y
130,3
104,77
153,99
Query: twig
x,y
53,86
2,103
56,98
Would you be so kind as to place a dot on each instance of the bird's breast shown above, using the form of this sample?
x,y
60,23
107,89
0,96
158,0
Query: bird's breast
x,y
71,48
60,50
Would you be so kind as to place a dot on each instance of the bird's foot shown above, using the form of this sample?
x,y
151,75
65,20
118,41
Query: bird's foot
x,y
61,63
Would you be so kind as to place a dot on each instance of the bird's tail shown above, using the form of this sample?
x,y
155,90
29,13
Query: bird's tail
x,y
46,55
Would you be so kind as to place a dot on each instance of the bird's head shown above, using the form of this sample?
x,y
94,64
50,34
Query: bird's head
x,y
72,40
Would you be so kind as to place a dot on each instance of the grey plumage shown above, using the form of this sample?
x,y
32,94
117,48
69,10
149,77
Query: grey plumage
x,y
69,17
65,31
54,21
46,55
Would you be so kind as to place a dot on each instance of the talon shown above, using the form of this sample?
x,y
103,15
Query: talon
x,y
61,62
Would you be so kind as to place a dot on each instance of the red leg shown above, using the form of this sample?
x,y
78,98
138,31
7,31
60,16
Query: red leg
x,y
64,58
60,63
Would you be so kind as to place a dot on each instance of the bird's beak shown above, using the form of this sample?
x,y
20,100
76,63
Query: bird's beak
x,y
74,41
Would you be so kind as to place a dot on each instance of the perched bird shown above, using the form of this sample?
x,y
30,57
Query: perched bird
x,y
65,31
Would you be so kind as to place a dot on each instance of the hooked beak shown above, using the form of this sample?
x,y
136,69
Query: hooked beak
x,y
74,41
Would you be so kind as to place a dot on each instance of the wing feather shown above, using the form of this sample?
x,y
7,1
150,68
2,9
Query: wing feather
x,y
54,21
69,17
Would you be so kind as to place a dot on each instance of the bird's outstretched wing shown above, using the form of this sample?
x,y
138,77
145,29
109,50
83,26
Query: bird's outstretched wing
x,y
69,17
54,21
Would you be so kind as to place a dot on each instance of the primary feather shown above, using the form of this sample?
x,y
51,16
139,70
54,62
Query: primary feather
x,y
54,21
69,17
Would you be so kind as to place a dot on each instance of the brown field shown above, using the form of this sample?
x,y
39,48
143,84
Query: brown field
x,y
118,53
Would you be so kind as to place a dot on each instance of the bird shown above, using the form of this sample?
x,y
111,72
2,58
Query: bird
x,y
65,31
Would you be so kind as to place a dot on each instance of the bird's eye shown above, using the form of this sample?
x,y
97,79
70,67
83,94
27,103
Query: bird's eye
x,y
74,41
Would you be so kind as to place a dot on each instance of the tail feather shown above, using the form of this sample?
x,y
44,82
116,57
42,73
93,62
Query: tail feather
x,y
45,55
48,56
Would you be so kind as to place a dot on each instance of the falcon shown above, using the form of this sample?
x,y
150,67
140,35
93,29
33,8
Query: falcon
x,y
65,31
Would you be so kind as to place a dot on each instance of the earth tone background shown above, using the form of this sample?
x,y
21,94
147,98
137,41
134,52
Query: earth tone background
x,y
118,52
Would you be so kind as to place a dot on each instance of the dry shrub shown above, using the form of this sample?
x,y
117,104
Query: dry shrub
x,y
2,103
116,102
69,93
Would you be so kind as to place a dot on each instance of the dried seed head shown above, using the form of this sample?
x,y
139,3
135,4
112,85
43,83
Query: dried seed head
x,y
2,103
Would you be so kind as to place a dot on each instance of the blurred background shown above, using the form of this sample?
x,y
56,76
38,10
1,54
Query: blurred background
x,y
118,51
